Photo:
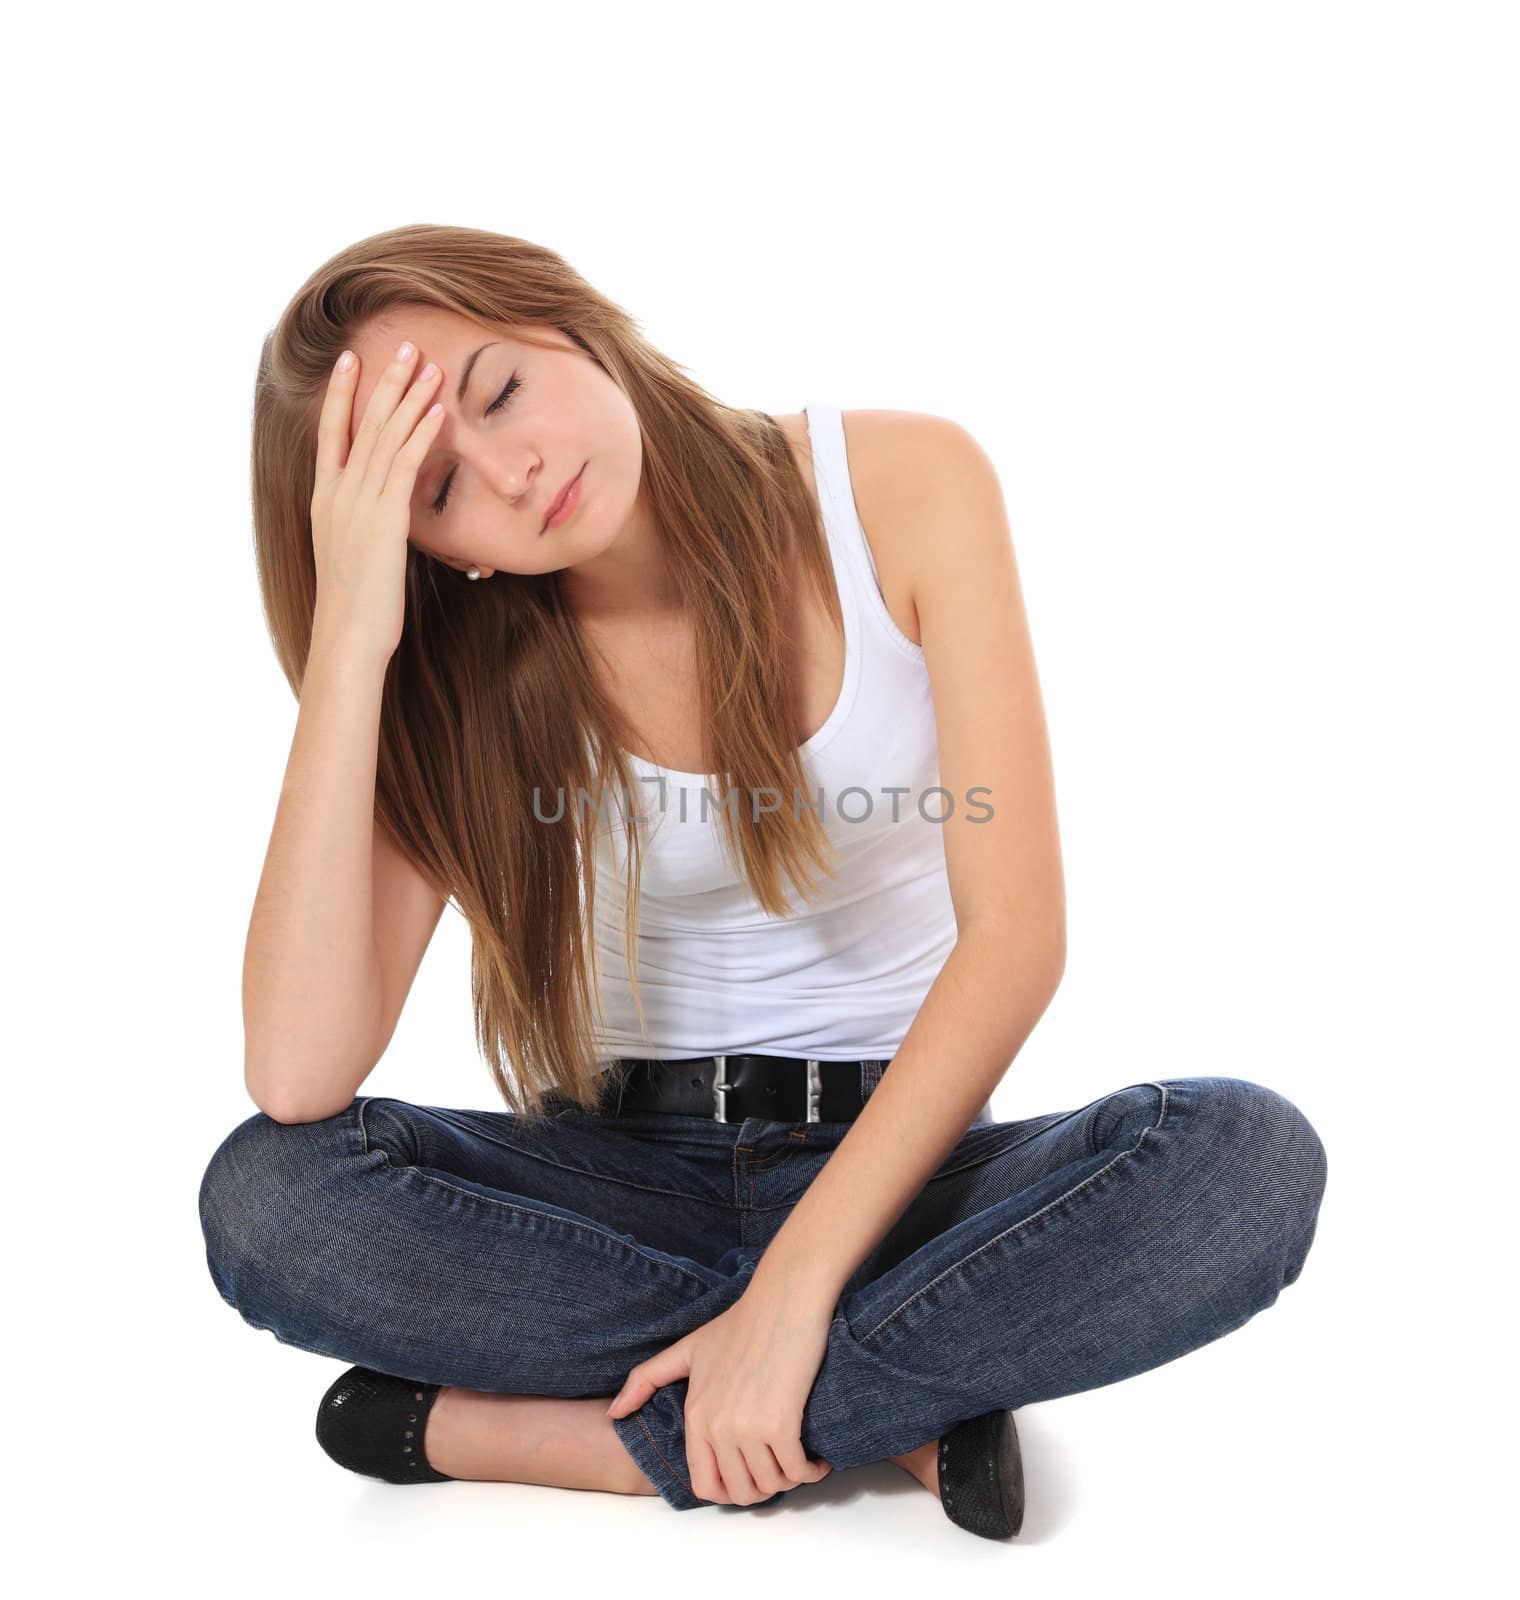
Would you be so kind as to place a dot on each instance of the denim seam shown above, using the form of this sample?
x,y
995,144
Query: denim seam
x,y
661,1454
784,1154
935,1177
1091,1178
565,1166
1002,1149
529,1211
771,1164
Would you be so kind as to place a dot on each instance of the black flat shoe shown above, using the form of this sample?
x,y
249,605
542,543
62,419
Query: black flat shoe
x,y
981,1476
373,1423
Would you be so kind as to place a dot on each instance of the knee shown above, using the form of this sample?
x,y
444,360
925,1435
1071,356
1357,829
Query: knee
x,y
1300,1169
257,1191
1273,1161
1291,1153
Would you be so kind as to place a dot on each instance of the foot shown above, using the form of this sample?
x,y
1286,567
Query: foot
x,y
510,1438
923,1463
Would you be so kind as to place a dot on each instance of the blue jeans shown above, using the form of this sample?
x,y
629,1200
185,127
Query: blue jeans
x,y
1046,1256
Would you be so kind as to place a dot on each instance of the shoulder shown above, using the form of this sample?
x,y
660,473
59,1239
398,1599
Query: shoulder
x,y
927,491
891,451
898,453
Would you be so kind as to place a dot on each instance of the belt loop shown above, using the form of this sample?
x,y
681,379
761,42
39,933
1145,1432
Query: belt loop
x,y
721,1086
814,1089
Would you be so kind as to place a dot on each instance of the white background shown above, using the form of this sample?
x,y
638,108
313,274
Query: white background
x,y
1228,292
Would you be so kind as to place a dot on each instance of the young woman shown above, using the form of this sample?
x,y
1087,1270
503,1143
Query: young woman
x,y
724,733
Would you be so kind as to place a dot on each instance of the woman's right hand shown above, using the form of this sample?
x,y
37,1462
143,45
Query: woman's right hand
x,y
361,502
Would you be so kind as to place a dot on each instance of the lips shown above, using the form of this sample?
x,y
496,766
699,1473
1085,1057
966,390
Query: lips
x,y
559,500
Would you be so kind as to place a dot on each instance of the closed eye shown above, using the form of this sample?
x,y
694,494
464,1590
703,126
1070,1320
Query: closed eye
x,y
512,385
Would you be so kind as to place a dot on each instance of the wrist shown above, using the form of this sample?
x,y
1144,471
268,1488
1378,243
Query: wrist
x,y
343,649
797,1283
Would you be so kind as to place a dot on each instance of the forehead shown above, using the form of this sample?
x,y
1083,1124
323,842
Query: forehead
x,y
439,335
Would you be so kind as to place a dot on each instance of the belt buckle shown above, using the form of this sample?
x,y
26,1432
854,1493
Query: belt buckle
x,y
721,1086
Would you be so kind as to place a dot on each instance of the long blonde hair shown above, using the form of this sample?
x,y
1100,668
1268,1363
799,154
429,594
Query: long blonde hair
x,y
490,693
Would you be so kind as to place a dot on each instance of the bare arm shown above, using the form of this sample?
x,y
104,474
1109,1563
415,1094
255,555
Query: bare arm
x,y
341,919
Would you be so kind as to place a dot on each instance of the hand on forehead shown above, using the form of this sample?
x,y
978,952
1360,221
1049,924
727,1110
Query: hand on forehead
x,y
439,336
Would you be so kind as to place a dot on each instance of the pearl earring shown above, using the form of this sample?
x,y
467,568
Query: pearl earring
x,y
474,572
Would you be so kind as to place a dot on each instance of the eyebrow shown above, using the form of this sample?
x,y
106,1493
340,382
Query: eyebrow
x,y
469,367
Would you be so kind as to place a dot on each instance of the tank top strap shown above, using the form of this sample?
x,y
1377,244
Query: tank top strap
x,y
854,560
836,497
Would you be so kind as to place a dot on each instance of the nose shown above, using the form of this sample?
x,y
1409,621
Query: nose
x,y
506,471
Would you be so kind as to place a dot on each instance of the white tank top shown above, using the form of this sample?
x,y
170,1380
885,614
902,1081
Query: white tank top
x,y
845,974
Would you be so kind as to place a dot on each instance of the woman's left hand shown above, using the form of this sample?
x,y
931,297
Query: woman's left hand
x,y
749,1373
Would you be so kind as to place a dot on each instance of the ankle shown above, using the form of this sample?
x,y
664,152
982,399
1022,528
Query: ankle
x,y
562,1444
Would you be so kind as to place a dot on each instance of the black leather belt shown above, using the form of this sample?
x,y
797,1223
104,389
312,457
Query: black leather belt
x,y
730,1088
